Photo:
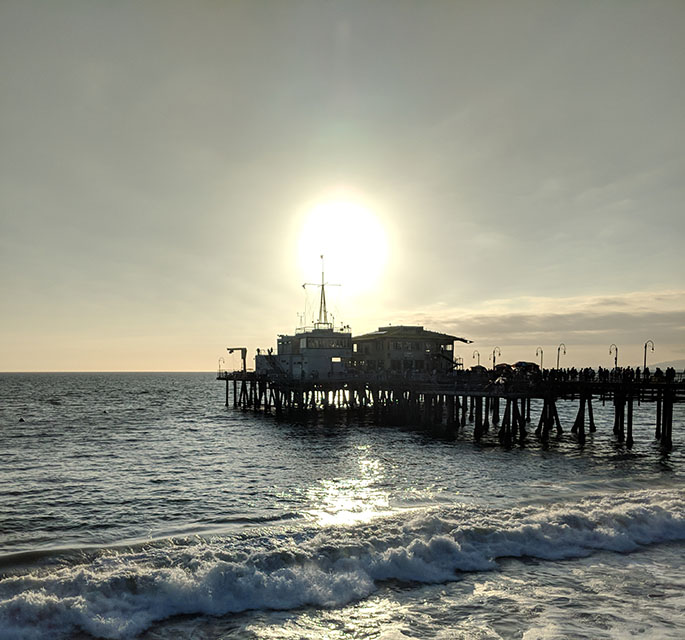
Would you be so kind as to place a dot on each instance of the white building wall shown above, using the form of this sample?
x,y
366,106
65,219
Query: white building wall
x,y
310,363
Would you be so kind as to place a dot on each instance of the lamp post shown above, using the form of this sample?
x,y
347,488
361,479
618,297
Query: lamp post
x,y
499,353
476,353
559,348
644,366
539,352
615,348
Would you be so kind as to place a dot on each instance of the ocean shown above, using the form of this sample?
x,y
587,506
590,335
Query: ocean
x,y
139,506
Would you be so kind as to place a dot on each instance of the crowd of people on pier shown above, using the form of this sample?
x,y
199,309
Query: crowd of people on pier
x,y
619,374
508,373
588,374
526,373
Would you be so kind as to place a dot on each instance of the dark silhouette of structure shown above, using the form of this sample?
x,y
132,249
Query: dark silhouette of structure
x,y
501,397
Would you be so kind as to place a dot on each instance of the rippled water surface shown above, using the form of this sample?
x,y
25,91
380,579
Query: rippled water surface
x,y
138,504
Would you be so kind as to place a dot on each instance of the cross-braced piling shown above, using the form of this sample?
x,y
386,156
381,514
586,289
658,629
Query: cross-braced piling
x,y
448,403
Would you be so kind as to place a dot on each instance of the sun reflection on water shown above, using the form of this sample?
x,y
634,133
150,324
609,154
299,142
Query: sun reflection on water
x,y
374,617
357,498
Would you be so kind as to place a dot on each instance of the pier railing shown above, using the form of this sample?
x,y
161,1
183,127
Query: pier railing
x,y
558,381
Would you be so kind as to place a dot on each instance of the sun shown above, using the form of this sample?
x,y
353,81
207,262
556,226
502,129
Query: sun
x,y
352,240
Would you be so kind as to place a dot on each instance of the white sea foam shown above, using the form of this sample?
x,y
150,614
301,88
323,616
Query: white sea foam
x,y
120,594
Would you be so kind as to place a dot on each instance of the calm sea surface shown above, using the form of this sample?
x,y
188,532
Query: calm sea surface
x,y
138,505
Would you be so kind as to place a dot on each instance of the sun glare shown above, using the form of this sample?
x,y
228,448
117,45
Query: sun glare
x,y
352,240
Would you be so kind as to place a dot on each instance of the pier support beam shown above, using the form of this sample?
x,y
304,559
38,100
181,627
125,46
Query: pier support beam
x,y
619,414
667,420
548,418
579,423
450,411
478,429
629,433
504,433
518,419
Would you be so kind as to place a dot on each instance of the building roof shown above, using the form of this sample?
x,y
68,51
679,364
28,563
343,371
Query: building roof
x,y
407,332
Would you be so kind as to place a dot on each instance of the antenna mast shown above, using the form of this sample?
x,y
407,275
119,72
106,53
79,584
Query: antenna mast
x,y
323,312
323,315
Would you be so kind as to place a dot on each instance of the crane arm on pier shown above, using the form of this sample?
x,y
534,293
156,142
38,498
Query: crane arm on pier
x,y
243,354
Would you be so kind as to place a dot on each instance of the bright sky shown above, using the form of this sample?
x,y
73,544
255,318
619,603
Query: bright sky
x,y
512,172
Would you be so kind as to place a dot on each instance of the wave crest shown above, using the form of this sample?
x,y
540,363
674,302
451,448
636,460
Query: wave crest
x,y
120,594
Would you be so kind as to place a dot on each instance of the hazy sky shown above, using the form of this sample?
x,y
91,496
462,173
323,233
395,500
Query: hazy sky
x,y
525,160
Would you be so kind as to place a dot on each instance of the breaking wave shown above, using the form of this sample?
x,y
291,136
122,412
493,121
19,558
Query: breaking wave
x,y
119,594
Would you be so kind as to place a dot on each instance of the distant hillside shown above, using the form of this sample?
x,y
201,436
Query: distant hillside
x,y
678,365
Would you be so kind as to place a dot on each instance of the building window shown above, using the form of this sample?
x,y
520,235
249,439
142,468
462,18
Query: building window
x,y
328,343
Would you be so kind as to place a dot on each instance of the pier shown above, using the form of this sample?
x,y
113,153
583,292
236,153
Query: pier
x,y
467,397
408,375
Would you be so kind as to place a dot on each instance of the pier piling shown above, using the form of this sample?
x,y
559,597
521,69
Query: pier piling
x,y
447,406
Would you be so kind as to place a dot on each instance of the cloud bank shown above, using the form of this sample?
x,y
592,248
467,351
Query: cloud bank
x,y
586,323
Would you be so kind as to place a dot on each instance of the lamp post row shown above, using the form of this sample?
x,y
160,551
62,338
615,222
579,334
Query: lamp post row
x,y
562,349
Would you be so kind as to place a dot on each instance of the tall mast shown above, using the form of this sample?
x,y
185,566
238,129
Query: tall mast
x,y
323,311
323,315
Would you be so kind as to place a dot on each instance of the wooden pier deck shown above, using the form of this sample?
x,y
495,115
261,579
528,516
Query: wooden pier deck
x,y
465,396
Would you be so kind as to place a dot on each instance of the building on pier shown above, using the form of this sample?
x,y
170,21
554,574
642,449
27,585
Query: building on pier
x,y
318,351
322,351
402,348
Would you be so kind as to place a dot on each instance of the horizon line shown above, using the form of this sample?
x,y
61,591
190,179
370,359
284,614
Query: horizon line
x,y
115,371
